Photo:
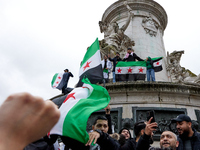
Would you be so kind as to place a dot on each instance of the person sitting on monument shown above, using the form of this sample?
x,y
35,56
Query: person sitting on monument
x,y
150,68
131,56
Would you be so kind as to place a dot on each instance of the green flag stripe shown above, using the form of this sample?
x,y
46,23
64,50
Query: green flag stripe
x,y
91,51
156,58
54,79
131,63
75,122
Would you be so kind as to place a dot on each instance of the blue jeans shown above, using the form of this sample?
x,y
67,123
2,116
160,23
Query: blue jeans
x,y
114,77
151,74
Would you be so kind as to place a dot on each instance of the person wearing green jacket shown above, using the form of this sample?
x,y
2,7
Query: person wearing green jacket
x,y
150,68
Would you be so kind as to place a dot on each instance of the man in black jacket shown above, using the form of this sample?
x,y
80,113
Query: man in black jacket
x,y
131,56
99,135
115,60
129,143
188,138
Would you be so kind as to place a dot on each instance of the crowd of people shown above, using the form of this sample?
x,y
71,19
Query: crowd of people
x,y
25,121
130,56
21,128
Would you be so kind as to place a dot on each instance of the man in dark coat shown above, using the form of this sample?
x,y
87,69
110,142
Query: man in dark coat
x,y
66,76
99,135
115,60
189,138
131,56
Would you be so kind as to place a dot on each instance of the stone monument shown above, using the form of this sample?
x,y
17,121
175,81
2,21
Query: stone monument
x,y
140,24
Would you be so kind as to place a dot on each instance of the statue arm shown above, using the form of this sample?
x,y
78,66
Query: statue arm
x,y
130,14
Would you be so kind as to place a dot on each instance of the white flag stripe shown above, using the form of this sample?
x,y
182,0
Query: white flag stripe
x,y
135,70
158,63
80,93
95,59
57,81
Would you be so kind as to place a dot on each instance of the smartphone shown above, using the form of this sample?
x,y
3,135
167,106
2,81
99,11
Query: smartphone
x,y
150,114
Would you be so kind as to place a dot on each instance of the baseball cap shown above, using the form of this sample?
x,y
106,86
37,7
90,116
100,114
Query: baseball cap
x,y
181,117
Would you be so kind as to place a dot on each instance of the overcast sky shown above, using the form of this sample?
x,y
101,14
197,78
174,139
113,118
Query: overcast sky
x,y
39,38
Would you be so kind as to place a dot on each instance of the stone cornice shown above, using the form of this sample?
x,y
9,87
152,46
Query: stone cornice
x,y
162,87
149,6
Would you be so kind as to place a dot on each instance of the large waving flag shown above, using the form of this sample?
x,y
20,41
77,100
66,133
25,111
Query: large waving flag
x,y
157,64
91,65
57,81
130,71
76,109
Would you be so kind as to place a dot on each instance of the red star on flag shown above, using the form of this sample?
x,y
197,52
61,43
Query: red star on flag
x,y
87,65
129,70
48,134
57,82
141,70
69,96
157,63
59,77
119,70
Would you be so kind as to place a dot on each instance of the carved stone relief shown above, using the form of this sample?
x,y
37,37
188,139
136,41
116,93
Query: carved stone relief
x,y
114,38
127,123
163,117
150,26
178,73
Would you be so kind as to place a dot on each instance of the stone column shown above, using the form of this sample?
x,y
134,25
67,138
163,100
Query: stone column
x,y
146,28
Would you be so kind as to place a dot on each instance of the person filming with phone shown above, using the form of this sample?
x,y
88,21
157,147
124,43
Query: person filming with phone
x,y
168,140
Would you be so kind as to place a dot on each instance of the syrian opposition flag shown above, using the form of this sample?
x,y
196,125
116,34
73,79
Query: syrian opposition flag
x,y
157,64
76,109
91,65
57,81
129,71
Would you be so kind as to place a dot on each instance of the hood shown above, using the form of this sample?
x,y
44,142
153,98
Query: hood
x,y
126,129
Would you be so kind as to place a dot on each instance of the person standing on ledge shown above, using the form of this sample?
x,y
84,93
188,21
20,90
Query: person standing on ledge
x,y
106,66
66,76
131,56
150,68
115,60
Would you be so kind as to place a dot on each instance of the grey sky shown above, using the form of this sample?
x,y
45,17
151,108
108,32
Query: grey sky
x,y
39,38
